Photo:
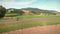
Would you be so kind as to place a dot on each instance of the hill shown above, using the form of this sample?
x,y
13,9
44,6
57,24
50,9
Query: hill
x,y
31,10
38,11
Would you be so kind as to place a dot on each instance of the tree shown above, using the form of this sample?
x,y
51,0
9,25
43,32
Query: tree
x,y
2,11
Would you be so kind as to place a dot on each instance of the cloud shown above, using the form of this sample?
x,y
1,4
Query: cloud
x,y
13,2
7,0
26,2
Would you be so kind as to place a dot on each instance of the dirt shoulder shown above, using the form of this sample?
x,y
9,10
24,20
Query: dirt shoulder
x,y
50,29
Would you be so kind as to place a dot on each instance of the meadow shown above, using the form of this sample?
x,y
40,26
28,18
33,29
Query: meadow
x,y
17,16
5,27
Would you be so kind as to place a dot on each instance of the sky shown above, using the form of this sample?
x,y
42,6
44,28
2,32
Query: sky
x,y
41,4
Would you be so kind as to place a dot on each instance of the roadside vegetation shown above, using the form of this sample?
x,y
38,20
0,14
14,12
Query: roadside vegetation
x,y
5,27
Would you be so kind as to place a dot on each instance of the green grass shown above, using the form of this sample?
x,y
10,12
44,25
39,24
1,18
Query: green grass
x,y
11,15
36,16
5,27
29,16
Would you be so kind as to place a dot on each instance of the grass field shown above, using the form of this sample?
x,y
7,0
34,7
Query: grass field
x,y
5,27
29,16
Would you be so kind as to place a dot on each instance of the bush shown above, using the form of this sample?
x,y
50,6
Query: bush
x,y
2,11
